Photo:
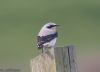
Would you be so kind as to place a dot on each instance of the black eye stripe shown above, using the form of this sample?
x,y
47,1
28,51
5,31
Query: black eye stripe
x,y
51,26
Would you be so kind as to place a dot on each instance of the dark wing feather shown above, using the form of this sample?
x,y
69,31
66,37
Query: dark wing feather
x,y
43,39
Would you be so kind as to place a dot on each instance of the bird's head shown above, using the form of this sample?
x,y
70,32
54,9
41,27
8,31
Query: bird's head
x,y
51,26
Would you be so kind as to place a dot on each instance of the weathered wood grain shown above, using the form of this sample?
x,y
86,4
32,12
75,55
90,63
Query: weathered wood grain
x,y
60,59
43,63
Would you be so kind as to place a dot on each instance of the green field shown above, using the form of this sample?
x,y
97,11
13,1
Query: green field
x,y
20,21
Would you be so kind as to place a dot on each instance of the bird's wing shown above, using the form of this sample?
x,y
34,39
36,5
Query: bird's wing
x,y
44,39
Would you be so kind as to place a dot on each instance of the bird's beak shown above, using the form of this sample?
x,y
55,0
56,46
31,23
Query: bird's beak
x,y
57,25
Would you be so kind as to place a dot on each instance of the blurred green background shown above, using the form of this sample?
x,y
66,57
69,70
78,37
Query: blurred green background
x,y
21,20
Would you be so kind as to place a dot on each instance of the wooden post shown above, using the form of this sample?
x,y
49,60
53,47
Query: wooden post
x,y
65,59
60,59
44,62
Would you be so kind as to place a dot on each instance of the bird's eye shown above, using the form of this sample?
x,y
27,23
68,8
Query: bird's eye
x,y
50,26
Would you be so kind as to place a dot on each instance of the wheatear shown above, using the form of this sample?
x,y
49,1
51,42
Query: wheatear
x,y
47,36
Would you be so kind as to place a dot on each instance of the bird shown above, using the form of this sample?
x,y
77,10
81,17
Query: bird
x,y
47,36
